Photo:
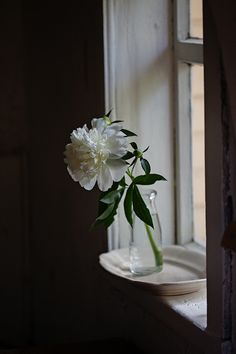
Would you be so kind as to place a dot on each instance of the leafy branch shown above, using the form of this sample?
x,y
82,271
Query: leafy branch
x,y
133,201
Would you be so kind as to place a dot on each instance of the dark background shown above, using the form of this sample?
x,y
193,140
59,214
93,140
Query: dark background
x,y
51,82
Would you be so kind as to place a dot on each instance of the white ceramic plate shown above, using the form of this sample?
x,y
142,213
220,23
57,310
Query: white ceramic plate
x,y
183,271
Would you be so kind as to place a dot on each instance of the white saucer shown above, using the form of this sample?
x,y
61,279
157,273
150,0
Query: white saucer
x,y
183,270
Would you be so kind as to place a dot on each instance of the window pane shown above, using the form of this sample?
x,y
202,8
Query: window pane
x,y
198,153
196,25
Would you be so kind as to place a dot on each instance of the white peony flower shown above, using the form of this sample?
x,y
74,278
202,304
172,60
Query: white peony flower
x,y
94,155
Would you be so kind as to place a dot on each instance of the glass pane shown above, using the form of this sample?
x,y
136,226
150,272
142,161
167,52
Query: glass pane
x,y
196,24
198,153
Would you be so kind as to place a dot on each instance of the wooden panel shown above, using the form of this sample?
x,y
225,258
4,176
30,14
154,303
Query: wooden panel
x,y
64,91
11,257
214,186
13,136
12,122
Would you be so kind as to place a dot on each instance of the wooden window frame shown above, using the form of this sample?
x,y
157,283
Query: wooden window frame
x,y
186,51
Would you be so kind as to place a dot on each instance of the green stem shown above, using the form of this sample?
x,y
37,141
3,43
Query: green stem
x,y
133,167
129,174
156,250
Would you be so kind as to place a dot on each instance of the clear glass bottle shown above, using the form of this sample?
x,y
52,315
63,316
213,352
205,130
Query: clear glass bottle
x,y
145,249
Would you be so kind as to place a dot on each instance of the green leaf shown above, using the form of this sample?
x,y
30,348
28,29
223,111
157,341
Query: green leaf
x,y
113,188
128,204
140,207
102,206
145,149
128,132
116,121
128,156
122,182
134,145
107,212
148,179
108,220
110,197
145,166
108,114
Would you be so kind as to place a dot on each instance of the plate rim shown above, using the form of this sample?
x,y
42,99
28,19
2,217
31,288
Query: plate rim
x,y
159,286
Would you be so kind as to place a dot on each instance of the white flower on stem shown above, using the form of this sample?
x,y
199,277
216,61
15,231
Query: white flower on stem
x,y
95,155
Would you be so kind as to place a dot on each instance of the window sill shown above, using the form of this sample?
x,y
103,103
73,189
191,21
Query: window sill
x,y
185,314
195,247
192,308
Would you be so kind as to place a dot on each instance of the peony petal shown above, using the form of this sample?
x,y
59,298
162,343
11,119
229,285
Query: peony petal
x,y
71,158
104,178
89,184
99,124
73,175
117,169
114,128
117,146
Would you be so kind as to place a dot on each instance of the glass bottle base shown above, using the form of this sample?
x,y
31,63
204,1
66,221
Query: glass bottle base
x,y
139,271
142,261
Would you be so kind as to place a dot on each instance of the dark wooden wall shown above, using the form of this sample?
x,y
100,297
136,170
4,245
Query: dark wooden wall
x,y
51,81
